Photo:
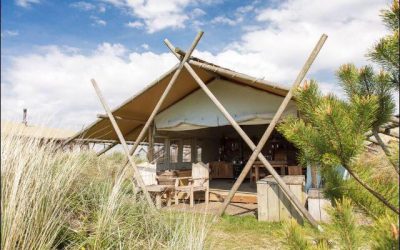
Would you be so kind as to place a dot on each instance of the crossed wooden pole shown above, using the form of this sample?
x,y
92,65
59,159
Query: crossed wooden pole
x,y
246,138
124,145
256,149
121,138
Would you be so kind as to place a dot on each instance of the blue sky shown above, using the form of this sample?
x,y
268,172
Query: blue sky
x,y
50,49
85,24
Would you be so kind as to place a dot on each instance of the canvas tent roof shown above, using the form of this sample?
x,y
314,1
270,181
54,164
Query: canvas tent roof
x,y
132,114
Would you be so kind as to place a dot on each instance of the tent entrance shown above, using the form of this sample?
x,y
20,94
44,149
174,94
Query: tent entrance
x,y
223,149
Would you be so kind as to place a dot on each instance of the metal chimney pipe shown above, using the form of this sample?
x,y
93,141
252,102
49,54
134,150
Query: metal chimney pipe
x,y
24,121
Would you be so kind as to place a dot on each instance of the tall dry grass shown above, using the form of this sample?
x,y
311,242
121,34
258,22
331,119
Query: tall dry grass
x,y
75,200
35,182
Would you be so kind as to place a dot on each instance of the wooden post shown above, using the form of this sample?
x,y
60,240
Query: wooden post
x,y
150,145
116,142
106,148
314,174
24,119
166,91
124,145
193,150
180,151
167,152
257,150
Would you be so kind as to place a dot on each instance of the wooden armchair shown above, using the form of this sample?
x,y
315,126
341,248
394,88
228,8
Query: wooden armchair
x,y
149,175
199,181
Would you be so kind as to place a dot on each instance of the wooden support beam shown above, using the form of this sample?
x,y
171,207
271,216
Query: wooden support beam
x,y
257,150
102,116
116,142
267,134
150,146
121,138
110,146
180,150
167,150
166,91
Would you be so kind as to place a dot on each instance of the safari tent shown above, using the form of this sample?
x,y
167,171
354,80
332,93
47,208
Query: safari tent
x,y
213,114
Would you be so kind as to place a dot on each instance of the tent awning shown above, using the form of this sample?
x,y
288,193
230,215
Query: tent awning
x,y
135,111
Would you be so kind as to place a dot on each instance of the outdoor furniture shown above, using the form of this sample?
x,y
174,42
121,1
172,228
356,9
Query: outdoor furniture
x,y
199,181
255,170
148,173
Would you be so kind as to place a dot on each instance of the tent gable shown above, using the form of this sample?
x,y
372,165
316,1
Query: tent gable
x,y
247,105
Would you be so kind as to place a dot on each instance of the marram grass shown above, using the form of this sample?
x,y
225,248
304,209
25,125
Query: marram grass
x,y
75,200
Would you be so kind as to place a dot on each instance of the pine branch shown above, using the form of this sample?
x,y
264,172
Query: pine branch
x,y
372,191
386,150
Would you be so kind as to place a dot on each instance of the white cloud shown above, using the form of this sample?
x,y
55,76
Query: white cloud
x,y
26,3
145,46
9,33
86,6
285,36
82,5
226,20
245,9
157,15
197,12
97,21
101,8
135,24
55,83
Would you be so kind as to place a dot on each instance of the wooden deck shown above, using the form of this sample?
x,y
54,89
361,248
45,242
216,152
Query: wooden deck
x,y
219,189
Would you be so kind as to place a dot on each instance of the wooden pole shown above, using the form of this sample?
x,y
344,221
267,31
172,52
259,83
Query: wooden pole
x,y
123,143
106,148
113,144
257,150
271,127
150,145
102,116
166,91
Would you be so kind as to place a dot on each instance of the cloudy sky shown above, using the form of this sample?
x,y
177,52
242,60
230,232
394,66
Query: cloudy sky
x,y
51,49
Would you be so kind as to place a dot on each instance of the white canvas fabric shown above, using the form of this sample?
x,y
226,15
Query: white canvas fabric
x,y
247,105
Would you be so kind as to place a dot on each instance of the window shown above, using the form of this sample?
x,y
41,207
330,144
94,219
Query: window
x,y
198,153
173,151
187,151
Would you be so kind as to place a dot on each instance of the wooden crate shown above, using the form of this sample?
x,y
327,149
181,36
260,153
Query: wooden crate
x,y
318,205
273,205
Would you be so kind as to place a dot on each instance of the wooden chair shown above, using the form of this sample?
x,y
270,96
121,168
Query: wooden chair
x,y
199,181
149,175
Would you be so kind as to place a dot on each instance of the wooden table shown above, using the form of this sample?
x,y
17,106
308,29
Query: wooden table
x,y
159,190
255,171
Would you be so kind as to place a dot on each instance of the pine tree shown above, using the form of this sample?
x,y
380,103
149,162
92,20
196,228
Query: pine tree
x,y
365,82
331,132
386,51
